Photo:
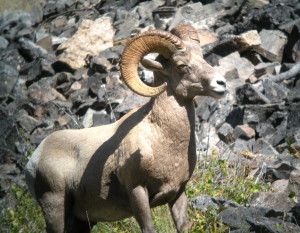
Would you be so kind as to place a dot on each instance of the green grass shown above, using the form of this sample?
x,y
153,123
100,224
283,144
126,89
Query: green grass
x,y
160,215
213,176
26,216
217,177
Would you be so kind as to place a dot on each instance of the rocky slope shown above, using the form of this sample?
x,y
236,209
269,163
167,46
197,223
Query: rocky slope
x,y
59,69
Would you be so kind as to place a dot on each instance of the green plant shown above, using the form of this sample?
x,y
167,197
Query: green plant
x,y
217,177
124,226
292,149
206,222
26,216
161,217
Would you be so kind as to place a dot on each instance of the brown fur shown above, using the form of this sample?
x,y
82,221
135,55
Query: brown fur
x,y
145,159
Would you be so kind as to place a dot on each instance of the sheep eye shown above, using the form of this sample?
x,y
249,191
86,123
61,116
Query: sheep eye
x,y
181,66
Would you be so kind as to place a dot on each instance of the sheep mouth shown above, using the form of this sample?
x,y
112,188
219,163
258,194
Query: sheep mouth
x,y
218,94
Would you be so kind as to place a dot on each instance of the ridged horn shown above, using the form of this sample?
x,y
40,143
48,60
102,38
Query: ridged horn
x,y
186,32
154,41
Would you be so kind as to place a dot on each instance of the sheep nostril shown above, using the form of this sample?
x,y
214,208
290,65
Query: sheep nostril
x,y
221,83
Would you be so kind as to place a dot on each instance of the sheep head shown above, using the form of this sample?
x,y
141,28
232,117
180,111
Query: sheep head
x,y
180,64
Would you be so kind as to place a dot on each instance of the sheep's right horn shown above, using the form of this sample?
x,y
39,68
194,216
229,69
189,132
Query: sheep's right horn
x,y
154,41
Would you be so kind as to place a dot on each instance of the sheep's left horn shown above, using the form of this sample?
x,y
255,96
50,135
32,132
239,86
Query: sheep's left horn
x,y
186,32
154,41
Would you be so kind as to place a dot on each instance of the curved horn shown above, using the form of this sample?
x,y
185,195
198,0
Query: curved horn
x,y
186,32
154,41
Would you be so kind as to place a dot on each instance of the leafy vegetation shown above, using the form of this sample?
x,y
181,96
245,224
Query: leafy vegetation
x,y
26,216
213,176
217,177
292,149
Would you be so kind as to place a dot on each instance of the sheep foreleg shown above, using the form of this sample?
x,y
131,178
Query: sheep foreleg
x,y
139,201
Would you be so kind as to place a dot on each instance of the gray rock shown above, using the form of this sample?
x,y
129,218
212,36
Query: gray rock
x,y
294,95
9,169
75,50
99,64
242,145
232,44
225,203
296,51
162,15
294,182
203,203
131,102
3,43
270,16
101,118
247,94
225,133
16,25
261,3
112,54
8,79
293,121
236,116
40,68
39,135
296,212
255,114
289,26
32,50
87,121
278,201
273,129
266,68
244,132
43,91
126,24
12,57
272,225
7,138
236,218
281,170
28,123
222,109
204,15
46,43
262,146
42,60
147,10
275,92
36,14
280,185
272,44
56,41
205,107
56,6
234,61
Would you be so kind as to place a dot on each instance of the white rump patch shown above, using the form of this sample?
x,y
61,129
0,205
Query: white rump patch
x,y
30,169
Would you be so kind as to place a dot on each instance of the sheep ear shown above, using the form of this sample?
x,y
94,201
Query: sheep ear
x,y
151,64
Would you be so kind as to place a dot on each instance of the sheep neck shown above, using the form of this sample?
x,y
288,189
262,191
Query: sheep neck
x,y
174,116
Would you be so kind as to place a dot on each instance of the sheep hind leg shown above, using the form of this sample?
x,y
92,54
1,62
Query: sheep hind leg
x,y
178,210
53,206
57,209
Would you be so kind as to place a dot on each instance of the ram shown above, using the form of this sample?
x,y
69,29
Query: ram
x,y
143,160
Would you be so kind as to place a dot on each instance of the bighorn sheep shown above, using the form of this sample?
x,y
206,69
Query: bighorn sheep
x,y
143,160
